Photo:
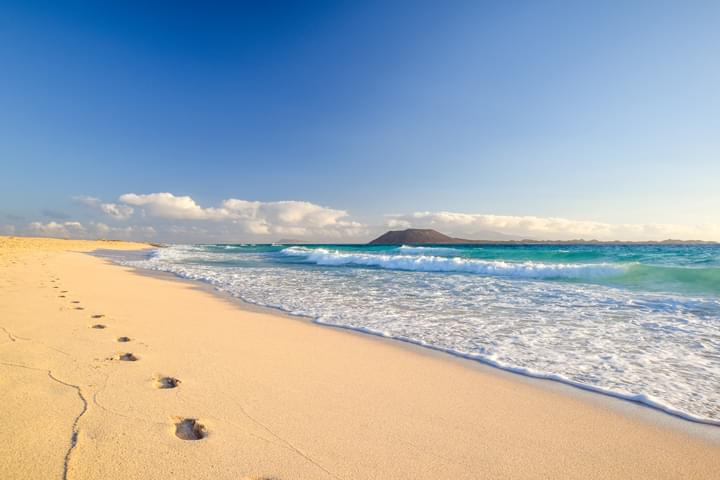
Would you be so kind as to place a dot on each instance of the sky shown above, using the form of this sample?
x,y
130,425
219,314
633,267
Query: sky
x,y
337,120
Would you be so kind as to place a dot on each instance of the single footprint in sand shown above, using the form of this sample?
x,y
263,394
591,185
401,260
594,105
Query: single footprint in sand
x,y
97,316
79,308
189,429
75,301
125,357
63,291
122,339
99,326
61,296
161,381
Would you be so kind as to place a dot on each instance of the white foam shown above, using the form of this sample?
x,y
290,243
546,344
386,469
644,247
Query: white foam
x,y
433,263
648,400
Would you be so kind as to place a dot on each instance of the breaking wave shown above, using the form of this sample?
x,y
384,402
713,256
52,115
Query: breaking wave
x,y
434,263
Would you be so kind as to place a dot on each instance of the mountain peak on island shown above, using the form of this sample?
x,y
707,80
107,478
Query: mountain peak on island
x,y
415,235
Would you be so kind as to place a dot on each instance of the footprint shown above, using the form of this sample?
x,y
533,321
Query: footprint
x,y
99,326
61,296
63,291
79,308
125,357
165,382
75,301
97,316
122,339
189,429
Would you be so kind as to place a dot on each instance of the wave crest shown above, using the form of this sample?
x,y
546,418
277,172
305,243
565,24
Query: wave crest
x,y
433,263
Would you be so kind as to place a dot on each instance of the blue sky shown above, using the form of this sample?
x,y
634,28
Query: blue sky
x,y
337,120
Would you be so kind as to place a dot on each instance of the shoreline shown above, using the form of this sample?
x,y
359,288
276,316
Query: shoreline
x,y
624,405
277,398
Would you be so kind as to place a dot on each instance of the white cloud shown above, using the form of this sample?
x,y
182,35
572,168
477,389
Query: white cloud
x,y
118,212
554,228
64,229
167,205
296,218
289,218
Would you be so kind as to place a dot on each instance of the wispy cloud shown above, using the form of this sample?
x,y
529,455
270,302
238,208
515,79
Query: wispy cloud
x,y
54,214
118,212
137,232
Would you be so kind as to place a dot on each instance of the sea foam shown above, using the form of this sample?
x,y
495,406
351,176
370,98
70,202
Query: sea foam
x,y
434,263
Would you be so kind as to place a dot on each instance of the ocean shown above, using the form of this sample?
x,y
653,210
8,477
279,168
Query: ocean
x,y
640,322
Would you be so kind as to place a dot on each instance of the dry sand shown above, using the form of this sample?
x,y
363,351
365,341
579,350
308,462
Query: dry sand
x,y
273,397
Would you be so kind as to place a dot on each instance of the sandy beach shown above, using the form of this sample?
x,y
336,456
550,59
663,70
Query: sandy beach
x,y
86,345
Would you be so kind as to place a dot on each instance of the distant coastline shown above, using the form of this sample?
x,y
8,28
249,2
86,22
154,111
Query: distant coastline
x,y
416,236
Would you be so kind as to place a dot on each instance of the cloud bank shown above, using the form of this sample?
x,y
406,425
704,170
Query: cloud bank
x,y
75,229
164,216
296,218
64,229
472,225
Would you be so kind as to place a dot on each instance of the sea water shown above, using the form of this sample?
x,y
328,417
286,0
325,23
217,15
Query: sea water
x,y
641,322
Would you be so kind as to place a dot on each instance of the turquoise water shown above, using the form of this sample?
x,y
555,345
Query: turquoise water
x,y
685,269
637,322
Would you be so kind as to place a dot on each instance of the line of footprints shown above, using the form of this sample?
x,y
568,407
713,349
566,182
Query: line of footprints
x,y
185,428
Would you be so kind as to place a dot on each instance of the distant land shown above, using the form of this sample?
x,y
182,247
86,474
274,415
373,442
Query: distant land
x,y
426,236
